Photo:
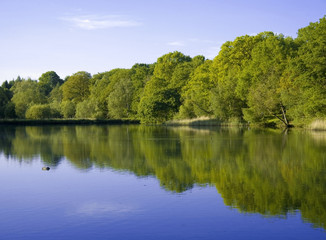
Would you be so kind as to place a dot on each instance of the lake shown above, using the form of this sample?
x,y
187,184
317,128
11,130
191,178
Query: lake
x,y
146,182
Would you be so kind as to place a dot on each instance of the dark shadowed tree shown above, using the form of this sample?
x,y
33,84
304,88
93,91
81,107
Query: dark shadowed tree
x,y
49,81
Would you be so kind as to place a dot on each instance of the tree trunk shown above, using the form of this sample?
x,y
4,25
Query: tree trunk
x,y
284,119
284,116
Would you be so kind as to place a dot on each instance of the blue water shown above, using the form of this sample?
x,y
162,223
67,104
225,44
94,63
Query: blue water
x,y
102,203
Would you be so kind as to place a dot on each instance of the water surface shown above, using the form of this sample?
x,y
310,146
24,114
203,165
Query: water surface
x,y
140,182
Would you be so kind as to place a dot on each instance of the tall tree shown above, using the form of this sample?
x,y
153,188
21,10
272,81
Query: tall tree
x,y
120,99
76,88
48,81
26,94
269,59
98,94
158,104
226,72
304,80
161,98
196,93
166,65
103,85
119,94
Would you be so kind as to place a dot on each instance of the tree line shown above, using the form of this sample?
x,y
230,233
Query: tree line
x,y
265,79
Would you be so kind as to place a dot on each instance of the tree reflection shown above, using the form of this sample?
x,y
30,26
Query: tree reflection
x,y
268,172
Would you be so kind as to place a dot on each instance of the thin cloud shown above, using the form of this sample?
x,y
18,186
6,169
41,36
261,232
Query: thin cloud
x,y
92,22
197,40
190,41
176,43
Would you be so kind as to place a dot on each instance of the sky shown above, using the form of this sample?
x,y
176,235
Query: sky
x,y
67,36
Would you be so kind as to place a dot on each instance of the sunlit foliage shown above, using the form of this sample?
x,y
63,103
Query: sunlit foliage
x,y
266,79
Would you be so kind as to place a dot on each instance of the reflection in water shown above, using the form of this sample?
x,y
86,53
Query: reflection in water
x,y
268,172
97,209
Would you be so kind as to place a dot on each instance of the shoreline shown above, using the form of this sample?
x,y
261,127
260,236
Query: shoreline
x,y
28,122
317,124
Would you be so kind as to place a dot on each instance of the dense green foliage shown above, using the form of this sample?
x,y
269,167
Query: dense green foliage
x,y
265,79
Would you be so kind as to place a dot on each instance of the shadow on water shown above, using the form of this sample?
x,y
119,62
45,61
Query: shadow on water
x,y
255,171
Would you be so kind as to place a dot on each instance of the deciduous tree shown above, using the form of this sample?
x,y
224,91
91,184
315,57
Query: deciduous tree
x,y
49,81
26,94
76,88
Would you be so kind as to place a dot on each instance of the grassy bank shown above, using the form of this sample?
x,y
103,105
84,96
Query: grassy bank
x,y
25,122
204,121
318,125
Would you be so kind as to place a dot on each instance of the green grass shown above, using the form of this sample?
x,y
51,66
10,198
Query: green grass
x,y
203,121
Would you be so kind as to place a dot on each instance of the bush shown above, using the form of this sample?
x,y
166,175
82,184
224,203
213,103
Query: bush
x,y
39,111
68,109
85,109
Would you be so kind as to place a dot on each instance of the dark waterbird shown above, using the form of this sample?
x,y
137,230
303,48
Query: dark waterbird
x,y
45,168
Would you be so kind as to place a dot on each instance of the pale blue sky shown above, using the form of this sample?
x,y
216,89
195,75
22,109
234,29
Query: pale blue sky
x,y
67,36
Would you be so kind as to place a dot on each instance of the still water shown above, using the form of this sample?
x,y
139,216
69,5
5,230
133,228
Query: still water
x,y
141,182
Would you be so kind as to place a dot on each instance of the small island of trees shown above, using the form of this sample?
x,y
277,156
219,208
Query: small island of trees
x,y
265,79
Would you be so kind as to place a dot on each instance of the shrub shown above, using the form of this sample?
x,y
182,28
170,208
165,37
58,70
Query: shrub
x,y
85,109
39,111
68,109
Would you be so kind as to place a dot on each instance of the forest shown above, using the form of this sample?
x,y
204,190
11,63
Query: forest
x,y
266,79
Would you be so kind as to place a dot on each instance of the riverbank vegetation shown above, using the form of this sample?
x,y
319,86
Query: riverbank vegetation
x,y
267,79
